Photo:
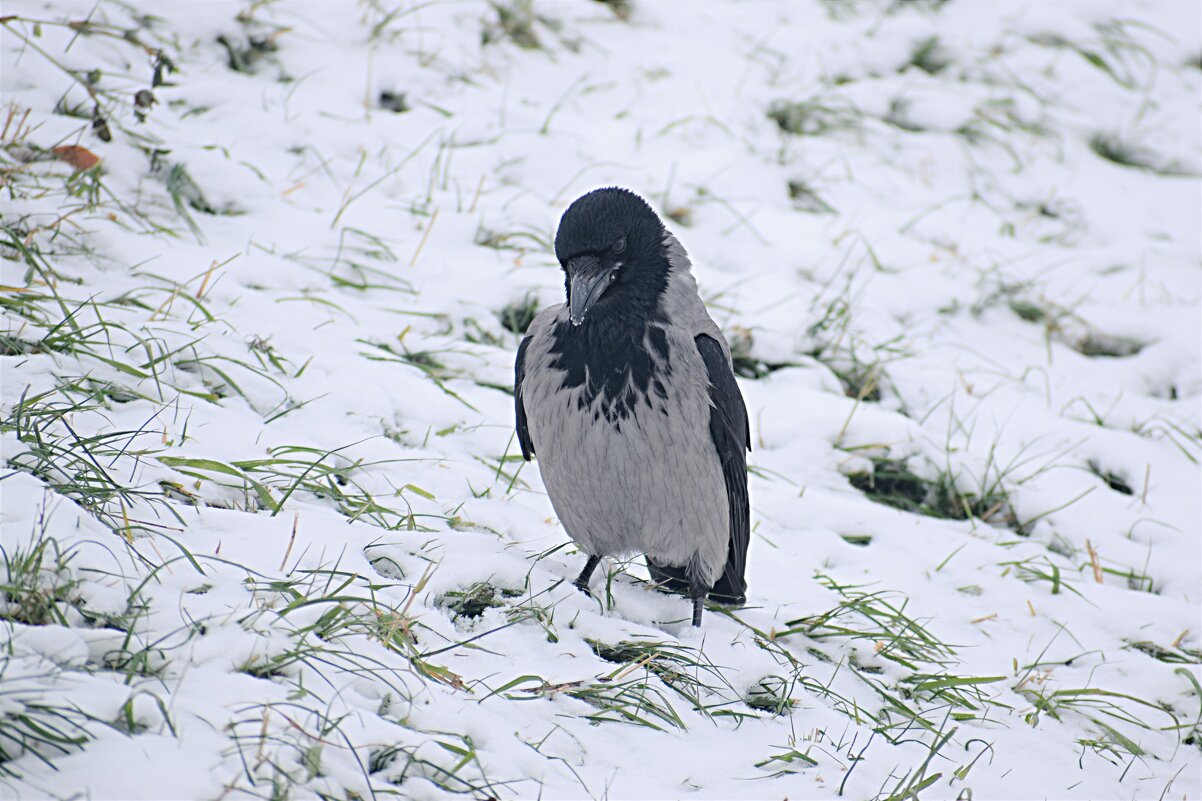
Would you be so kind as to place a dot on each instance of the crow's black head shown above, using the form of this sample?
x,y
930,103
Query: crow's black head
x,y
611,247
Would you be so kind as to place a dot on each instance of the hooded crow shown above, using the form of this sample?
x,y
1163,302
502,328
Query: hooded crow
x,y
626,394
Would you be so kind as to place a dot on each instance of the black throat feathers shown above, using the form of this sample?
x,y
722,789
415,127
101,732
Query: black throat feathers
x,y
619,356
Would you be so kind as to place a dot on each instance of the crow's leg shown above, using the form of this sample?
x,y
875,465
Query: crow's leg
x,y
581,581
697,592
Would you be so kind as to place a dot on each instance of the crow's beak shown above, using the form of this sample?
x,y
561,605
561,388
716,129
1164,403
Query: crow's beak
x,y
586,283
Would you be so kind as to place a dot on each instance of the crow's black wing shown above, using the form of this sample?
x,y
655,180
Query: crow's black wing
x,y
731,433
519,374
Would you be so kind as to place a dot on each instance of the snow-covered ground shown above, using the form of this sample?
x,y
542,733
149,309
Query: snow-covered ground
x,y
266,531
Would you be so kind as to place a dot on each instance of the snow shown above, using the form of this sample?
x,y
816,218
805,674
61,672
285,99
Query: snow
x,y
294,372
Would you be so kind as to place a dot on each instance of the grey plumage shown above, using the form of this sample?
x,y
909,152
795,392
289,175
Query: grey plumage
x,y
629,402
638,489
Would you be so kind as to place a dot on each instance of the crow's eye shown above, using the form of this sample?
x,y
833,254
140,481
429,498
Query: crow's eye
x,y
620,245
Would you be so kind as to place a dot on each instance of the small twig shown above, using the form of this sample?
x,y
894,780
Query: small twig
x,y
425,236
262,737
545,688
1094,562
164,305
204,284
291,540
635,666
991,511
476,197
